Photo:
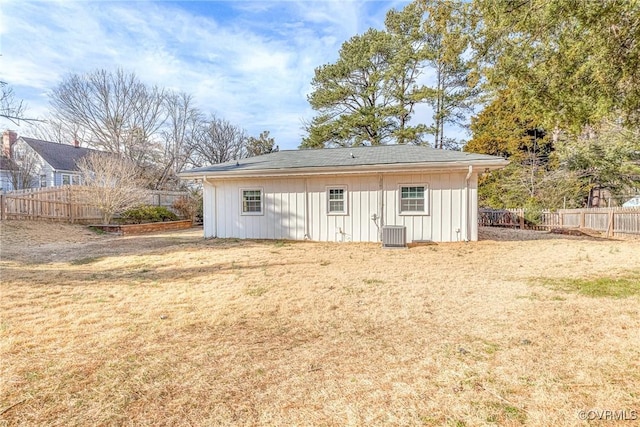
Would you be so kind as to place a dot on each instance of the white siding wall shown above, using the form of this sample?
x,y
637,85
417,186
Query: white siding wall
x,y
209,209
362,203
473,207
446,218
288,214
283,209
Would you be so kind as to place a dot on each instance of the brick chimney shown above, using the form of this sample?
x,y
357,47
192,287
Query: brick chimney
x,y
76,143
9,138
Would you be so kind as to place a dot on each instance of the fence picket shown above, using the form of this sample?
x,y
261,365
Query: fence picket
x,y
63,204
607,220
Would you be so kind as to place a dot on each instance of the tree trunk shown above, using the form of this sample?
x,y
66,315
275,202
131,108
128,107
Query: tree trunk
x,y
438,108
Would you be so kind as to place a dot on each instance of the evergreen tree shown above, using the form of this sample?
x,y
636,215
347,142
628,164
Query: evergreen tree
x,y
354,107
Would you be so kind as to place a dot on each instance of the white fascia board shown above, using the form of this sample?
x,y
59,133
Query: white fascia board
x,y
482,165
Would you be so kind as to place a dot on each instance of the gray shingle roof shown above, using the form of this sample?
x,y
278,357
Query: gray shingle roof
x,y
59,156
405,155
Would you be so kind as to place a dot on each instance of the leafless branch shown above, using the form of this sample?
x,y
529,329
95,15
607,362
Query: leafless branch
x,y
218,141
112,184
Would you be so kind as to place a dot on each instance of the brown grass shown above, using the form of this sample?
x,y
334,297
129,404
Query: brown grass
x,y
171,329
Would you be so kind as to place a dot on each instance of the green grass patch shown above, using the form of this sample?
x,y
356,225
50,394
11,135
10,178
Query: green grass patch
x,y
490,347
502,413
256,291
280,244
97,230
84,261
612,287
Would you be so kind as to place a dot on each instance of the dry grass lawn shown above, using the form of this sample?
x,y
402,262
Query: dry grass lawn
x,y
170,329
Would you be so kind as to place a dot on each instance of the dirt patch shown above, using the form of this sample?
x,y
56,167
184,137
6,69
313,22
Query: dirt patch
x,y
50,241
38,242
514,234
173,329
22,234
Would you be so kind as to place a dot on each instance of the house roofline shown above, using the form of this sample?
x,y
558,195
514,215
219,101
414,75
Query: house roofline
x,y
482,165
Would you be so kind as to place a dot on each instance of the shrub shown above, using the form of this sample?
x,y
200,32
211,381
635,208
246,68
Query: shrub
x,y
148,213
533,212
190,207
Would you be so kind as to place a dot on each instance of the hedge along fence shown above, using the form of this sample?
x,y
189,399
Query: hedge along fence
x,y
610,221
65,204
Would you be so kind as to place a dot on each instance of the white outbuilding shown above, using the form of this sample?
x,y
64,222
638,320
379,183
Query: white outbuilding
x,y
392,194
634,202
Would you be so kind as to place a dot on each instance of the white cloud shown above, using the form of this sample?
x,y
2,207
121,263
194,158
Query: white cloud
x,y
248,62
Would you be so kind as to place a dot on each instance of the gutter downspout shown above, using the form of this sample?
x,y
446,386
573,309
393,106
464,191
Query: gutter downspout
x,y
307,236
210,209
467,203
381,205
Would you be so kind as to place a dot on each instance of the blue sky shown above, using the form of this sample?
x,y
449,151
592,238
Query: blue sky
x,y
250,62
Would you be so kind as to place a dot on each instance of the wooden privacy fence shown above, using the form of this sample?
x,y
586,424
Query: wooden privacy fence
x,y
611,221
65,204
501,218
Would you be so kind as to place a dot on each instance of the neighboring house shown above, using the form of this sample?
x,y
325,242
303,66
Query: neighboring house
x,y
48,164
345,194
7,170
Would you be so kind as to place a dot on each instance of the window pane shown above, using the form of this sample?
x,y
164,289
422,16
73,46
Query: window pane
x,y
336,206
412,199
251,201
411,205
412,192
336,198
336,194
66,180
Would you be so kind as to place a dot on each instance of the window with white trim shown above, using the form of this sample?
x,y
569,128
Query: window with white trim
x,y
43,180
413,199
252,201
75,179
66,179
337,200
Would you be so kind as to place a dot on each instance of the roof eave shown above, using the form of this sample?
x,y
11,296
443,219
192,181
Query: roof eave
x,y
483,165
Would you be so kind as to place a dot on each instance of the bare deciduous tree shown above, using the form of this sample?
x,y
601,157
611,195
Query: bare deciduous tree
x,y
184,126
119,113
219,142
11,108
28,165
54,130
159,130
111,184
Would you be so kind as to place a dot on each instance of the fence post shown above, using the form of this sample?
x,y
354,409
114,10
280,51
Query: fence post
x,y
2,201
582,212
70,201
521,218
610,227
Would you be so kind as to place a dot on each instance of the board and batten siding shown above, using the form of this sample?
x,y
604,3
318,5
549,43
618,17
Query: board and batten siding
x,y
283,209
447,218
362,202
296,208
